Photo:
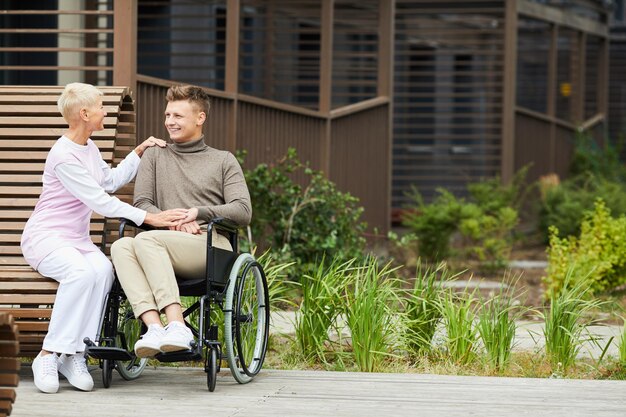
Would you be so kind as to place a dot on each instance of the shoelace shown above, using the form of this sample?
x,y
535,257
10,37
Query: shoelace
x,y
49,365
79,364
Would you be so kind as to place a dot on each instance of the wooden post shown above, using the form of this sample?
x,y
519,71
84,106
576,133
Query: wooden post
x,y
386,48
579,83
552,89
231,82
125,44
509,101
326,75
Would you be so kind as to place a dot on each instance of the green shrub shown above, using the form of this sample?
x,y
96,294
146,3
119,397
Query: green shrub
x,y
303,223
598,256
434,223
564,205
485,221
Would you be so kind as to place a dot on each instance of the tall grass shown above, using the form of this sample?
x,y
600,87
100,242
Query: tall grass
x,y
565,322
278,283
320,306
458,315
496,326
422,307
371,308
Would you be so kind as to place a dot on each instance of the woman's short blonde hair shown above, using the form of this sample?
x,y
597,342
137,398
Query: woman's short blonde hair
x,y
77,96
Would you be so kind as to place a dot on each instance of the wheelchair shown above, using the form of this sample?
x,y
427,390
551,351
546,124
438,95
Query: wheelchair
x,y
234,283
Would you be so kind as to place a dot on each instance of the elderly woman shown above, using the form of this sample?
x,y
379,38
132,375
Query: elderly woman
x,y
56,238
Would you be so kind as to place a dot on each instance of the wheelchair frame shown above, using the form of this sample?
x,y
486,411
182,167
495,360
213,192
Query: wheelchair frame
x,y
226,285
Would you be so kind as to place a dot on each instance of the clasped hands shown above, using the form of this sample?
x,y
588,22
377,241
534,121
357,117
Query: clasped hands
x,y
183,220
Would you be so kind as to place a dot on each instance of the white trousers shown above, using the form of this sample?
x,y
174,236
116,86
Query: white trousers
x,y
84,280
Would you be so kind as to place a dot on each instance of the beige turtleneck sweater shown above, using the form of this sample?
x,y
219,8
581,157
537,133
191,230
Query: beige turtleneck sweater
x,y
190,175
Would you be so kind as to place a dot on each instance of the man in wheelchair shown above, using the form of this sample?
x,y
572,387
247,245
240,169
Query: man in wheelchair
x,y
187,174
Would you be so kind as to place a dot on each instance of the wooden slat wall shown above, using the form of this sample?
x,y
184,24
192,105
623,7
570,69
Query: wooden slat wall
x,y
355,49
182,40
32,55
448,94
280,50
360,161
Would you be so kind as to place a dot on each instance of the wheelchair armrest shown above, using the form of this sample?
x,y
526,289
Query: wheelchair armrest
x,y
126,222
220,223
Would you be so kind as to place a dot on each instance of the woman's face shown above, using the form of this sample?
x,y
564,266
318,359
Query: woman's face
x,y
96,115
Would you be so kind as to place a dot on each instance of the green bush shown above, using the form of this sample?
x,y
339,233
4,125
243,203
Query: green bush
x,y
485,221
598,256
595,173
303,223
564,205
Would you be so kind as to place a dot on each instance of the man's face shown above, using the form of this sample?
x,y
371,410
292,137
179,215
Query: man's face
x,y
183,121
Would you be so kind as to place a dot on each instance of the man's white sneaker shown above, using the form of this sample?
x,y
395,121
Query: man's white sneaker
x,y
150,343
45,372
74,368
177,337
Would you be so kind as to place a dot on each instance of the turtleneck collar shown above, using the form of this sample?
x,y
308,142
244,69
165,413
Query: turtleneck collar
x,y
189,147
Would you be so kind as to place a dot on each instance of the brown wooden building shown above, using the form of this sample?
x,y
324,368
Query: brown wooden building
x,y
382,95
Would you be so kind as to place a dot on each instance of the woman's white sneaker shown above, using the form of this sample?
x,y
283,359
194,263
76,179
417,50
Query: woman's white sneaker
x,y
45,373
74,368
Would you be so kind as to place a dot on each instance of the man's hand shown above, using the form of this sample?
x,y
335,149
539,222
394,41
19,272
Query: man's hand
x,y
192,227
151,141
167,218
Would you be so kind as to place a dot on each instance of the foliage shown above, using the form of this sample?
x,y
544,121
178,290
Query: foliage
x,y
598,256
600,161
485,221
369,303
596,172
496,326
622,346
422,307
320,307
303,223
565,321
458,318
564,205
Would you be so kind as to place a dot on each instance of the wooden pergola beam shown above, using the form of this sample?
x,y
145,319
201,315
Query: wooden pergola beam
x,y
125,44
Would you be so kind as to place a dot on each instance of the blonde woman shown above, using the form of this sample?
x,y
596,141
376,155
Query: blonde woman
x,y
56,242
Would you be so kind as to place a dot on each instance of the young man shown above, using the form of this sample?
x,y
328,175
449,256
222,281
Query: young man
x,y
187,174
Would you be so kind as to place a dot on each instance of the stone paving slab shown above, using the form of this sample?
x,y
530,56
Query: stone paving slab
x,y
166,391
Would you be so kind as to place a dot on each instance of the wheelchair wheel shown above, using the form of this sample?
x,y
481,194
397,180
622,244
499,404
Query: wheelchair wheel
x,y
128,332
246,318
211,368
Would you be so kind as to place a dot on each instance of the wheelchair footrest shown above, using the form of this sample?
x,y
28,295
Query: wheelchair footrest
x,y
180,356
110,353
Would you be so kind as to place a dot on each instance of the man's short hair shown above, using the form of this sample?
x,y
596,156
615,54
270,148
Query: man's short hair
x,y
77,96
195,95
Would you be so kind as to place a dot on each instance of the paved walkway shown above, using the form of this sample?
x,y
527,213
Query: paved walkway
x,y
176,392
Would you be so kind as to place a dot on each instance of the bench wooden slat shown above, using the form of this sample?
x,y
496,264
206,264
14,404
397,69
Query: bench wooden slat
x,y
17,299
28,313
38,155
29,287
42,110
39,99
103,139
7,394
51,121
9,380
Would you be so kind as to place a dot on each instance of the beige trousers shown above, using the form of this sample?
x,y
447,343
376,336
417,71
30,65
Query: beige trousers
x,y
147,266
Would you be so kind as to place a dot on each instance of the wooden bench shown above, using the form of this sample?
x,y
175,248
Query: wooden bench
x,y
30,123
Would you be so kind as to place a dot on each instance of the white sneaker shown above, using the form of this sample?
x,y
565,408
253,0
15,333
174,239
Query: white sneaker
x,y
150,342
74,368
45,372
177,337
